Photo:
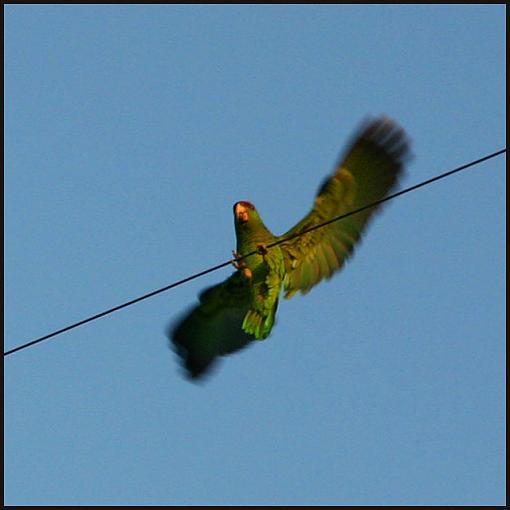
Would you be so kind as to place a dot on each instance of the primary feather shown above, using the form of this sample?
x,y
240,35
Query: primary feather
x,y
243,308
368,171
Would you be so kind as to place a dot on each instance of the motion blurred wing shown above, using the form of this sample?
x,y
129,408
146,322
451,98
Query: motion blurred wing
x,y
213,327
368,172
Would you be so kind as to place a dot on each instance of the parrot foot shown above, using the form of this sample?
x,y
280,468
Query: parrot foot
x,y
262,249
238,264
241,266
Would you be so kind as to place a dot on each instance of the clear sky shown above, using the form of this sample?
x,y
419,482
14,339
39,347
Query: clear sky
x,y
129,133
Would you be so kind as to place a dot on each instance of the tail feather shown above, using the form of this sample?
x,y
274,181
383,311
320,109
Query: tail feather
x,y
258,325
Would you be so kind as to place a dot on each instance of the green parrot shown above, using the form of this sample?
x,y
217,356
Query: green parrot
x,y
242,309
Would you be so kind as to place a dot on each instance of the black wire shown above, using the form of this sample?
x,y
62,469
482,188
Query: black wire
x,y
280,241
390,197
118,307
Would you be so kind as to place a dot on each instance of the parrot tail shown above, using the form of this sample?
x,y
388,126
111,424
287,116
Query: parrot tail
x,y
259,325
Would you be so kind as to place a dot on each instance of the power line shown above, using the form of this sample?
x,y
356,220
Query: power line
x,y
118,307
228,262
389,197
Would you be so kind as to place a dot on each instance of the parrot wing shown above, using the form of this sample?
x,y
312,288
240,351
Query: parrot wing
x,y
213,327
368,171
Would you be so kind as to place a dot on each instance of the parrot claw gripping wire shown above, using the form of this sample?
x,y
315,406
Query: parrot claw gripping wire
x,y
241,265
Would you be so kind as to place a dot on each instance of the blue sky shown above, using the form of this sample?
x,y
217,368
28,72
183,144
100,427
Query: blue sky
x,y
129,133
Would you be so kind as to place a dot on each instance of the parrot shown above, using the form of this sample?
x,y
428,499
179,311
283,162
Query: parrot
x,y
242,309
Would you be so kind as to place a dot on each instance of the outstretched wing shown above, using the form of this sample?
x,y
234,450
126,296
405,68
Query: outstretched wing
x,y
213,327
367,173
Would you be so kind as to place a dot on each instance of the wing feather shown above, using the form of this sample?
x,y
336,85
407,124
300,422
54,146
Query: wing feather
x,y
368,172
212,328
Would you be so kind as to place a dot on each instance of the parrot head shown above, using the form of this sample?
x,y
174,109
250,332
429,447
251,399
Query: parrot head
x,y
247,220
244,212
246,216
